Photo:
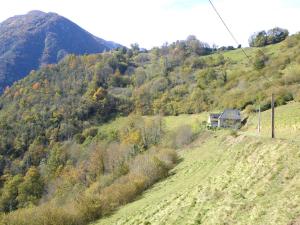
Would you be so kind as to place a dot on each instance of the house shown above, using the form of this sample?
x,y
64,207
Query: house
x,y
230,118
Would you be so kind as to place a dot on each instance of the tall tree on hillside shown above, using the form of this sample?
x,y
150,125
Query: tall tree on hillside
x,y
272,36
277,35
258,39
31,189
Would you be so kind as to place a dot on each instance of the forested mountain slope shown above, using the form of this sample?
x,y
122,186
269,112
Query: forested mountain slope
x,y
37,38
49,121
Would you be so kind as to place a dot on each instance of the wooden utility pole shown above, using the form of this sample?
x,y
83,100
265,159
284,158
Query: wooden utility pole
x,y
273,116
259,119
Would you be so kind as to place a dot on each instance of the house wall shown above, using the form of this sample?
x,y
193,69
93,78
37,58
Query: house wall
x,y
226,123
214,123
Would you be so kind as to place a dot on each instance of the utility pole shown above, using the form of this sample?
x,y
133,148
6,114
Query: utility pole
x,y
259,119
273,115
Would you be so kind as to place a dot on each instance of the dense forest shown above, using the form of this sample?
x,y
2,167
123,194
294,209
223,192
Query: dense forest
x,y
52,152
37,38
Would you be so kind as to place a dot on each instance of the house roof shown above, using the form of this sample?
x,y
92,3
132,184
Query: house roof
x,y
231,114
214,115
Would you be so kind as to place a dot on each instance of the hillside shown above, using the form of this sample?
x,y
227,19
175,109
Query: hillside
x,y
74,134
287,122
59,101
37,38
225,179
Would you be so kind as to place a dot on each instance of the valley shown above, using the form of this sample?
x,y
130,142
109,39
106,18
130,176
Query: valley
x,y
93,132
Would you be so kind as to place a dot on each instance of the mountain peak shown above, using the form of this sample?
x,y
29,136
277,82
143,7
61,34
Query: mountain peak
x,y
36,12
37,38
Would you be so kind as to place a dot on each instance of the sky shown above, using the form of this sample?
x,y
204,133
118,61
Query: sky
x,y
154,22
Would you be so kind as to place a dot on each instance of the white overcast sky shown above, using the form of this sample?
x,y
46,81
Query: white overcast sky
x,y
154,22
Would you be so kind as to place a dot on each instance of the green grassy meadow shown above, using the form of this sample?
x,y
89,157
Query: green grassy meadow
x,y
287,122
226,178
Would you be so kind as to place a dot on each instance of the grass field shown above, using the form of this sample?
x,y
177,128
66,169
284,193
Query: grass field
x,y
287,122
171,122
226,178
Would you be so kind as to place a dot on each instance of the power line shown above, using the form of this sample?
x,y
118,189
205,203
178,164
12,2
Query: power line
x,y
233,37
272,99
231,34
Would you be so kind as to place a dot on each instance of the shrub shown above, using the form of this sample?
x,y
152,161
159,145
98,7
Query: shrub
x,y
259,60
233,133
45,214
282,97
154,165
183,135
90,132
141,132
119,193
97,200
292,75
79,138
114,157
281,62
291,41
89,207
168,156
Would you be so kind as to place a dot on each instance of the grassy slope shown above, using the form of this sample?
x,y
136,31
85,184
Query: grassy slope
x,y
171,122
226,180
193,120
287,122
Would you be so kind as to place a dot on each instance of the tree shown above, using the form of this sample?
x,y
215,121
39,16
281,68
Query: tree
x,y
276,35
205,77
259,60
9,193
135,47
258,39
2,164
31,189
272,36
194,46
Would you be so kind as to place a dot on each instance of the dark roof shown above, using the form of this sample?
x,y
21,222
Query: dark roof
x,y
231,114
214,115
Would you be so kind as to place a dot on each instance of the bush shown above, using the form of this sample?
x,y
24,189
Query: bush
x,y
46,215
97,200
79,138
154,165
281,62
259,60
89,208
90,132
283,96
183,135
168,156
121,192
234,133
292,76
